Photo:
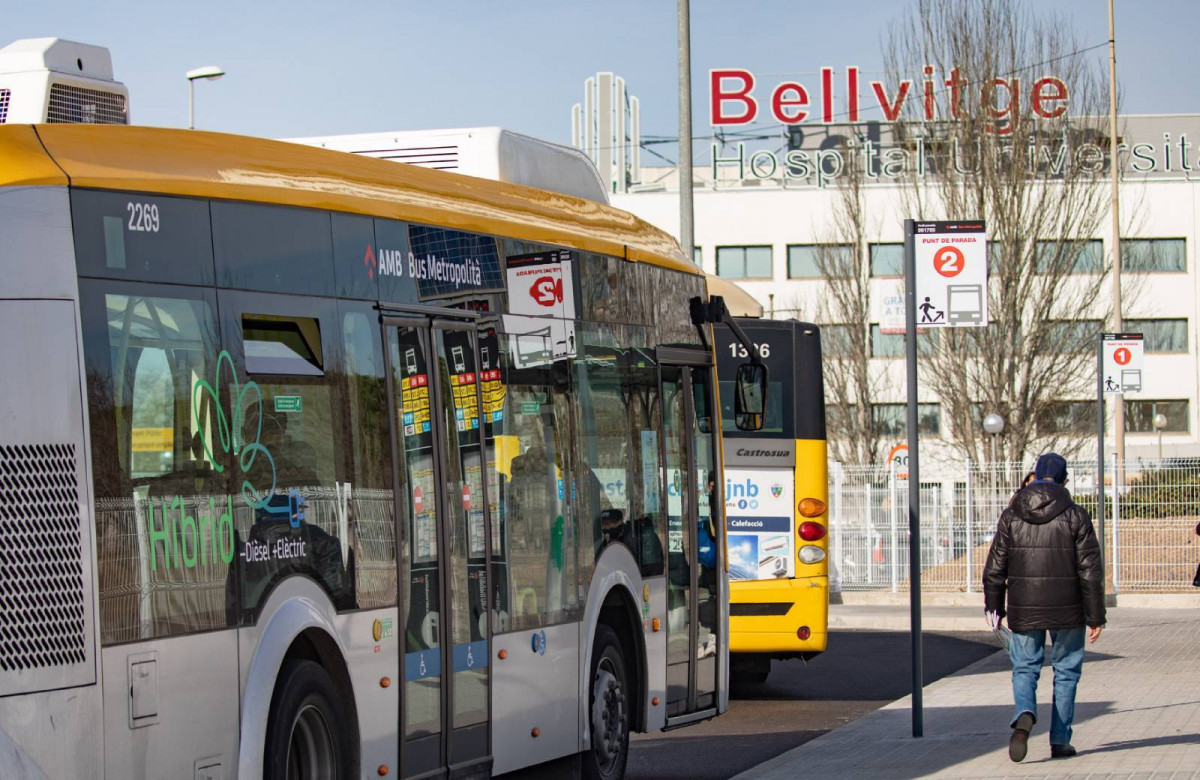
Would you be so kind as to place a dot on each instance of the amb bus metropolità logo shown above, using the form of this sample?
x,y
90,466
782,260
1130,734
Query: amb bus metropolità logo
x,y
736,98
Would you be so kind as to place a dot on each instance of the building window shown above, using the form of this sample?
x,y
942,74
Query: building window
x,y
837,341
806,261
887,259
1071,337
891,345
697,256
1153,254
744,262
1077,417
1139,416
1161,335
1072,257
892,419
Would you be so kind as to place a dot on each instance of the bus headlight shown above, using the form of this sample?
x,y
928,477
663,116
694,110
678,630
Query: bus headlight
x,y
811,554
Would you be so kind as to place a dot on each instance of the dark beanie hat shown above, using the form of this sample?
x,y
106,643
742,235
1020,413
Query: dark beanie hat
x,y
1051,466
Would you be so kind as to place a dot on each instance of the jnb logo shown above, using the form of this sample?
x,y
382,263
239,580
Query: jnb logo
x,y
740,490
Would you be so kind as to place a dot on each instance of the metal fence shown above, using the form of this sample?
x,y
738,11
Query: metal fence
x,y
1151,509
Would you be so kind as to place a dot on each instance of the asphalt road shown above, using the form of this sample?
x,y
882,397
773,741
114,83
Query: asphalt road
x,y
860,672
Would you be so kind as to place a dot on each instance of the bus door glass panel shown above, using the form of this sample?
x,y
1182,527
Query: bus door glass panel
x,y
413,422
465,524
679,539
708,541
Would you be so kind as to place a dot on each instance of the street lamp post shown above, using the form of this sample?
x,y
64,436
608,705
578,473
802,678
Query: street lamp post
x,y
993,424
208,73
1160,422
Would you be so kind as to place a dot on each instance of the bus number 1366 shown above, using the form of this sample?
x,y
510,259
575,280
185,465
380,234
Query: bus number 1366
x,y
738,350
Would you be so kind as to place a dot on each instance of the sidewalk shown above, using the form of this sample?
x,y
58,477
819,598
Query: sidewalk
x,y
1137,716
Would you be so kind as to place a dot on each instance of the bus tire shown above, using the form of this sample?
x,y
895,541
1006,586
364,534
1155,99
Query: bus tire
x,y
306,732
608,709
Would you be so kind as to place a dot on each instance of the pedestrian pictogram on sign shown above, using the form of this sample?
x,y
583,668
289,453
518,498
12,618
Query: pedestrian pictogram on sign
x,y
1121,365
951,279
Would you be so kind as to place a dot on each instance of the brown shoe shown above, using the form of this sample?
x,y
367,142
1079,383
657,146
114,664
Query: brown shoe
x,y
1018,743
1061,751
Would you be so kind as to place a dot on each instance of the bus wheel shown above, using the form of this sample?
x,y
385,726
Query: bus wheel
x,y
609,709
306,733
749,668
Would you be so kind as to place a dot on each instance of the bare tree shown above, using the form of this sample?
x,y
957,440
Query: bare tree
x,y
853,384
1039,181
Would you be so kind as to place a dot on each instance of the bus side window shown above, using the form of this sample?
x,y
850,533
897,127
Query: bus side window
x,y
369,494
163,525
536,493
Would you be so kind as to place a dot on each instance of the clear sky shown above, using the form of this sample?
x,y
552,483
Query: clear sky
x,y
314,68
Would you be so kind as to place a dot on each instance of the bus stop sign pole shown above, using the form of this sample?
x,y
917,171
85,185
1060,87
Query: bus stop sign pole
x,y
914,475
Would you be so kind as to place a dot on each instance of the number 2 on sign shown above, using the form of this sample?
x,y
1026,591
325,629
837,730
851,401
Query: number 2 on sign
x,y
948,261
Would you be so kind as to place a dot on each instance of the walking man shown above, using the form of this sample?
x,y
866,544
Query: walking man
x,y
1046,560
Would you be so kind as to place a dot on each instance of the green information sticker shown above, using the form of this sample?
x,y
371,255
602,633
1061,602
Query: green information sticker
x,y
288,403
531,407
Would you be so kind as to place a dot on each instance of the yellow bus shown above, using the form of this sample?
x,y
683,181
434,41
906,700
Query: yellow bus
x,y
775,501
303,467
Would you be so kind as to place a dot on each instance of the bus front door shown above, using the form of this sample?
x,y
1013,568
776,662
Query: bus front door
x,y
694,545
442,533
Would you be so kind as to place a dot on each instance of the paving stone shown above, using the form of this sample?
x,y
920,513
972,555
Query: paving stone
x,y
1137,717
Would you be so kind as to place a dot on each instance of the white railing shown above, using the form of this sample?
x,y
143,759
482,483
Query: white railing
x,y
1151,512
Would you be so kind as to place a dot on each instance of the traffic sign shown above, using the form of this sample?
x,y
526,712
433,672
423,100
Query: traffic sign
x,y
1121,366
951,283
898,461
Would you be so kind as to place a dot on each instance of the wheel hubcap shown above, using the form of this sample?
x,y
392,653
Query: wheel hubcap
x,y
310,747
608,716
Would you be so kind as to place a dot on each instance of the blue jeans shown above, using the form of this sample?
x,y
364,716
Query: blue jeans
x,y
1027,650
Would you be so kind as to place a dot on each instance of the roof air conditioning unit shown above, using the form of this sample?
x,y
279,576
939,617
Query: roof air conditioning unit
x,y
52,80
487,152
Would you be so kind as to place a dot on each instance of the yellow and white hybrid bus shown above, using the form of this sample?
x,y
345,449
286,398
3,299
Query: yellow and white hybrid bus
x,y
776,493
319,466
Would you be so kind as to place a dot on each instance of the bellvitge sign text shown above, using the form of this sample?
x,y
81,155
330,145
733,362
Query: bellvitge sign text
x,y
732,98
736,98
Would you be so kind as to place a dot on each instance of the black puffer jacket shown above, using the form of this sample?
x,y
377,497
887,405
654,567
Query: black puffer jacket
x,y
1046,557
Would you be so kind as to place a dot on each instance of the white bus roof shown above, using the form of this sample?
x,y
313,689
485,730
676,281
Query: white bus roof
x,y
487,152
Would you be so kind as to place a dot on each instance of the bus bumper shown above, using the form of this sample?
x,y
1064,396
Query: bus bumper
x,y
768,616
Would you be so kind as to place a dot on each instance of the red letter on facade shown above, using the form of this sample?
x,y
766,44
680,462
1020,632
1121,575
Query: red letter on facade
x,y
891,111
1010,111
827,95
780,104
717,96
1049,90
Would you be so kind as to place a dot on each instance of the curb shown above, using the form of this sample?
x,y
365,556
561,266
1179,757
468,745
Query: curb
x,y
975,600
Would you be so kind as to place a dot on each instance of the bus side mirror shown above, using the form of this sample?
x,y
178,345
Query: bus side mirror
x,y
750,396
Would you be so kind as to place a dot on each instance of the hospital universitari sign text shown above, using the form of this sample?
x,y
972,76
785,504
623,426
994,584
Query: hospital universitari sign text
x,y
736,98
